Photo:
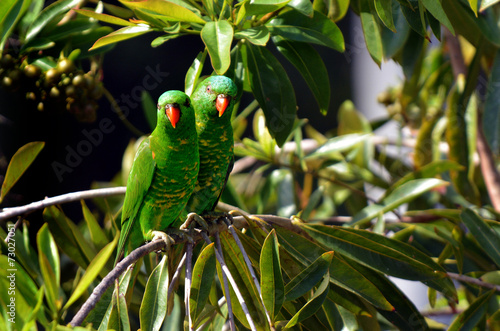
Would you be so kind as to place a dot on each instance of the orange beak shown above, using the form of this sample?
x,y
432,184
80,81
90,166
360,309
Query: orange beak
x,y
221,103
173,114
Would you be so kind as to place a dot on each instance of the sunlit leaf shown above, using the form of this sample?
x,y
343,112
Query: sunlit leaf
x,y
50,266
338,144
48,14
154,302
371,31
194,72
258,36
92,271
104,17
484,4
20,161
305,7
121,34
10,13
259,7
96,232
168,9
384,11
217,37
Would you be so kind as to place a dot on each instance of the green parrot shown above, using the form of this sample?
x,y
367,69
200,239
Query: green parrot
x,y
213,102
163,174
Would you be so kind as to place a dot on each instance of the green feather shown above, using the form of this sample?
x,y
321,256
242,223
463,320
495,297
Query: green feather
x,y
162,177
215,141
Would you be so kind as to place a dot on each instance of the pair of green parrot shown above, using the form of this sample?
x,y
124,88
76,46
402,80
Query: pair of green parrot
x,y
183,165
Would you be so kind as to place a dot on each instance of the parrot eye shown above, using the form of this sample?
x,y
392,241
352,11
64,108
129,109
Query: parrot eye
x,y
209,89
187,103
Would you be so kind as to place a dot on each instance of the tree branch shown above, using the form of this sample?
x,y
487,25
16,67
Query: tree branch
x,y
474,281
65,198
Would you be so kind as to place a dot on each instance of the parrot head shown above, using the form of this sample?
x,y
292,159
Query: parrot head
x,y
215,96
174,109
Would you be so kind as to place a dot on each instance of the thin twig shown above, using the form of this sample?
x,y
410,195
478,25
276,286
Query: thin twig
x,y
175,277
474,281
65,198
230,314
236,290
187,282
112,276
488,168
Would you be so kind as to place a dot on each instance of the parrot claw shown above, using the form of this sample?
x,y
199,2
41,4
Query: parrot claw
x,y
193,217
159,235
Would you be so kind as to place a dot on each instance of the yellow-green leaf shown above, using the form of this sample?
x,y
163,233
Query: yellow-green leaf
x,y
169,9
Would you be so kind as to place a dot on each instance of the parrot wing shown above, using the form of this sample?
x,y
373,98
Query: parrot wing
x,y
139,181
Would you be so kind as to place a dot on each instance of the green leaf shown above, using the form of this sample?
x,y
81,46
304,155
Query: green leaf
x,y
20,161
10,13
371,31
217,37
471,316
48,14
258,36
305,281
402,194
120,35
259,7
272,89
92,272
96,233
309,63
488,239
313,305
318,29
149,109
104,17
154,303
305,7
334,9
383,254
203,276
243,279
491,115
169,9
394,42
163,39
337,145
384,11
473,5
414,19
484,4
436,9
194,73
271,280
48,257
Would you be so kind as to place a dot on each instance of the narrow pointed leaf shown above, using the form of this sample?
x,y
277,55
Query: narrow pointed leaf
x,y
338,144
169,9
318,30
48,14
11,12
92,271
194,73
20,161
484,4
50,267
104,17
203,276
403,194
305,281
96,233
436,9
487,238
386,255
271,280
217,37
149,109
313,305
384,11
471,316
491,115
272,89
371,31
121,34
154,302
312,68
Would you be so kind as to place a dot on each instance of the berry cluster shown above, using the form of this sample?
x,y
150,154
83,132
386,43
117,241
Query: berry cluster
x,y
64,87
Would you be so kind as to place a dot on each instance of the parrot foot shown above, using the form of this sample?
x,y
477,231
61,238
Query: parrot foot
x,y
217,217
194,218
159,235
